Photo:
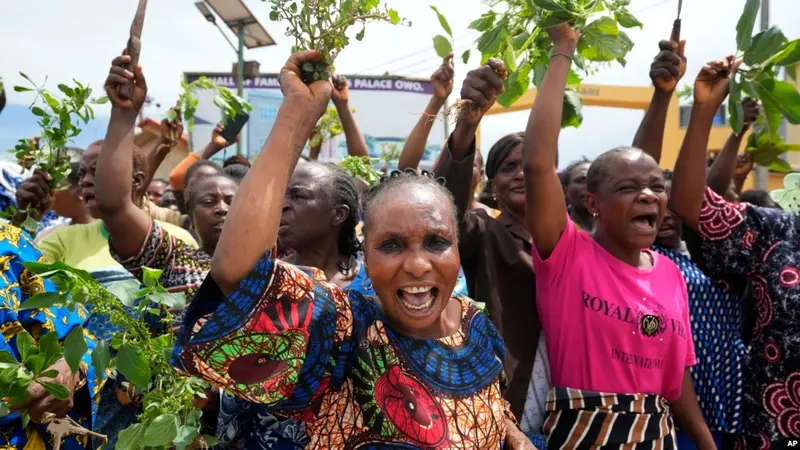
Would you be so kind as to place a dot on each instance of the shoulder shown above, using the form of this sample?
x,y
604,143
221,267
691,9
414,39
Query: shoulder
x,y
178,232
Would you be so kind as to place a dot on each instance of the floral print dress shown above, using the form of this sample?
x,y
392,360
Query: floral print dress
x,y
742,240
330,359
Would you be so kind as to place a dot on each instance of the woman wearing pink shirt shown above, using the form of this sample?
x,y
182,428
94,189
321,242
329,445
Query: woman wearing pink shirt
x,y
615,314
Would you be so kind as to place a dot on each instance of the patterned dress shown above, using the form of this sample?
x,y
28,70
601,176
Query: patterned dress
x,y
716,318
741,240
16,286
330,359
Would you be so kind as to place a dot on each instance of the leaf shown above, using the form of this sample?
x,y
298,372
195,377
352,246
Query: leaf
x,y
443,21
50,348
7,358
130,438
626,19
360,34
132,364
539,71
597,44
125,291
100,101
150,276
604,25
66,89
38,111
25,346
573,78
735,108
554,19
489,43
520,40
465,56
484,22
185,437
510,58
781,166
21,89
56,390
52,373
74,348
516,85
572,115
442,46
52,101
210,440
747,21
394,17
274,16
782,95
175,300
764,46
42,300
161,432
547,5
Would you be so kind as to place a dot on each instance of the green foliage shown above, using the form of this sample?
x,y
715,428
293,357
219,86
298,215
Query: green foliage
x,y
226,100
443,45
323,24
390,152
763,56
142,357
515,32
59,117
361,167
686,93
328,127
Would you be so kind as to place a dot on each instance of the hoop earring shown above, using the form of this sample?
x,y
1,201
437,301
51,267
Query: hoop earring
x,y
596,215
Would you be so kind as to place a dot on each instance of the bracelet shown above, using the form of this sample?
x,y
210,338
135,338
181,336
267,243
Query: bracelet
x,y
562,54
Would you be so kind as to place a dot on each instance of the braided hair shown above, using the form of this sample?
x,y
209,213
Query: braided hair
x,y
345,192
399,179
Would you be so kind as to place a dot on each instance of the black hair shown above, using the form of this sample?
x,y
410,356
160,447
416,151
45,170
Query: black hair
x,y
236,171
236,159
487,198
196,166
345,191
400,179
191,189
760,198
599,170
73,179
479,157
500,151
566,176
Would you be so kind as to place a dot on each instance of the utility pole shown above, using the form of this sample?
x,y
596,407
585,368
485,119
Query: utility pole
x,y
762,173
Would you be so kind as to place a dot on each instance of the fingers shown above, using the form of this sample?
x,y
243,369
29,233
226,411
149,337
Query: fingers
x,y
682,50
296,61
121,60
141,81
668,46
219,128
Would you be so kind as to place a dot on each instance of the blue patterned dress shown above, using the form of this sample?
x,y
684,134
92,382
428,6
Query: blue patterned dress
x,y
16,286
716,318
742,241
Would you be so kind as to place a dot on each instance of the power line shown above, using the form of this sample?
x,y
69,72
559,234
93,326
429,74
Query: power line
x,y
410,55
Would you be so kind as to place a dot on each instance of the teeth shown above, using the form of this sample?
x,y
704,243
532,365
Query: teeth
x,y
417,307
417,290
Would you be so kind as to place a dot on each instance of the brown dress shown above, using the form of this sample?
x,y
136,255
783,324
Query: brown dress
x,y
497,263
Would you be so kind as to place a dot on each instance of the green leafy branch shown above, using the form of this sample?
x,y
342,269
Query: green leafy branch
x,y
229,103
763,56
169,417
361,167
322,25
59,120
328,127
518,37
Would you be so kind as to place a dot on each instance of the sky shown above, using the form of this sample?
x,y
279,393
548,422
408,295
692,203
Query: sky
x,y
78,39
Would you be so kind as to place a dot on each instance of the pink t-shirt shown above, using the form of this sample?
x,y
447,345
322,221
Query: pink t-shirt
x,y
611,327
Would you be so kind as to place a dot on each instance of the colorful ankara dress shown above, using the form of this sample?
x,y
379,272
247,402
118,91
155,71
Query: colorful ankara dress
x,y
742,240
331,359
16,286
716,317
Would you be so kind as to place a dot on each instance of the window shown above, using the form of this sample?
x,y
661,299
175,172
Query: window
x,y
720,119
268,113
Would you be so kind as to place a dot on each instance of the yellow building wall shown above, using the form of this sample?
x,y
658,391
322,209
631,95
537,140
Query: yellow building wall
x,y
639,98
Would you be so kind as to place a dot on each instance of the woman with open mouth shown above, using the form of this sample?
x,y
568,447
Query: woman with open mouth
x,y
615,314
412,367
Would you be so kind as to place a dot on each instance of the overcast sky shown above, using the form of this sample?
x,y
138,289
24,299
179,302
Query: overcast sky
x,y
78,39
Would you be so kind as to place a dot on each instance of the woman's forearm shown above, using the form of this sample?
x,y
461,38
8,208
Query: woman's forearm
x,y
687,412
154,160
721,172
251,227
414,148
650,136
356,145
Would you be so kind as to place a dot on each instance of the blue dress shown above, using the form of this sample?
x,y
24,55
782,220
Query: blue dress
x,y
16,286
716,318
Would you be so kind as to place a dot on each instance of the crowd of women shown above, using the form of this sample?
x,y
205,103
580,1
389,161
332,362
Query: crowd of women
x,y
612,305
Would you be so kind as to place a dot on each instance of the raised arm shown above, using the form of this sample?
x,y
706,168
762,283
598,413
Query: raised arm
x,y
666,71
546,207
356,145
414,148
725,165
688,181
170,133
126,223
251,228
177,178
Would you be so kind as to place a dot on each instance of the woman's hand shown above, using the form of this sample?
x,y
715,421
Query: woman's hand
x,y
712,84
41,402
564,37
480,90
34,195
442,79
218,140
312,99
669,66
171,131
341,92
118,76
516,439
751,110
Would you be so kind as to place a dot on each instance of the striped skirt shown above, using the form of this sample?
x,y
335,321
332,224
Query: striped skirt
x,y
579,419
